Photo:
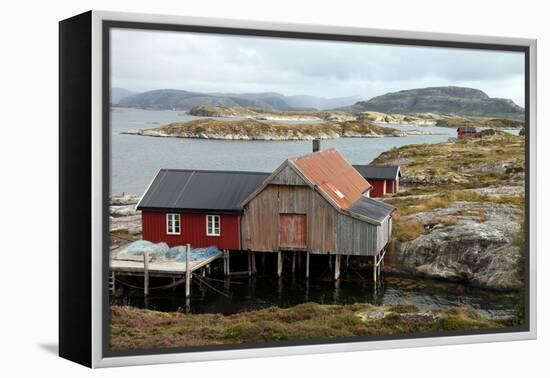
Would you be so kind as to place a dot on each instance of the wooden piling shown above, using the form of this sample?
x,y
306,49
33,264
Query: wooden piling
x,y
249,257
279,264
293,262
374,270
254,270
227,262
146,274
307,265
188,271
330,263
347,261
337,267
263,262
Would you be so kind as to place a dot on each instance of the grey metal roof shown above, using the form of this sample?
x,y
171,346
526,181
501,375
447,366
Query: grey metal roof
x,y
371,208
378,172
468,129
201,191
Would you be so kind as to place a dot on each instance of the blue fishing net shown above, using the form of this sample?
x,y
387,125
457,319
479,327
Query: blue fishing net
x,y
161,252
136,250
178,253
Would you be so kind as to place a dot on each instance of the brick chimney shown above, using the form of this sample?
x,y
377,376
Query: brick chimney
x,y
316,145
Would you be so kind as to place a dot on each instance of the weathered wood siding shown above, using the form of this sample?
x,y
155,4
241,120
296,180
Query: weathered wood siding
x,y
356,237
260,229
287,176
328,231
379,188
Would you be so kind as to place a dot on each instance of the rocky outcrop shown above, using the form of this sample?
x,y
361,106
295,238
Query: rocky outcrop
x,y
426,119
471,242
248,129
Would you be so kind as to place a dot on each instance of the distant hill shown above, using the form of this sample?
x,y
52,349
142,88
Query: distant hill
x,y
440,100
321,103
119,93
185,100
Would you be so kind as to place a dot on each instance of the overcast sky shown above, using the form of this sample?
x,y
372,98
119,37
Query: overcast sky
x,y
146,60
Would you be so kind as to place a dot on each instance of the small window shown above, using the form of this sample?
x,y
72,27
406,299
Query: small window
x,y
213,225
173,224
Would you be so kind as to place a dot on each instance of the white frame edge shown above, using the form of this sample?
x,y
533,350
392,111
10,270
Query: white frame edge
x,y
97,139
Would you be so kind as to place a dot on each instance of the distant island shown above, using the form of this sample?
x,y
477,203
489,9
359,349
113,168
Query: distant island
x,y
250,129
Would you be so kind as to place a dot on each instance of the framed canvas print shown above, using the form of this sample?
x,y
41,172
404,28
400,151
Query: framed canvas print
x,y
233,189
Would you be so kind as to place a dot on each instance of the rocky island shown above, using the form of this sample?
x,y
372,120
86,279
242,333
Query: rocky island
x,y
250,129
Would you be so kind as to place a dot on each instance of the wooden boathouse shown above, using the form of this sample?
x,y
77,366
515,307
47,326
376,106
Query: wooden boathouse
x,y
383,178
316,204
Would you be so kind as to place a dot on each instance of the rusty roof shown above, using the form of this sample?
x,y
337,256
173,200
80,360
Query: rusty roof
x,y
333,175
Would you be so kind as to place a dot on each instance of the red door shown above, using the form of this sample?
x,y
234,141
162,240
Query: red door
x,y
292,231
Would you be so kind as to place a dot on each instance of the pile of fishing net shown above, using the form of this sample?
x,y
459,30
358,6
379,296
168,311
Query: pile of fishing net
x,y
162,252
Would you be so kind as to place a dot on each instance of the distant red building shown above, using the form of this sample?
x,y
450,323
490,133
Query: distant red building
x,y
202,208
383,178
466,131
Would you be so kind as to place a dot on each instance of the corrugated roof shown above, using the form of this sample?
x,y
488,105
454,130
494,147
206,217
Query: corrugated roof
x,y
378,172
197,190
333,175
371,208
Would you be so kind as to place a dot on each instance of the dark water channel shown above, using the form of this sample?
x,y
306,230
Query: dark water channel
x,y
241,293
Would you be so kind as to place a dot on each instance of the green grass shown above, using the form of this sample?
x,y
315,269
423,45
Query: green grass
x,y
466,163
133,328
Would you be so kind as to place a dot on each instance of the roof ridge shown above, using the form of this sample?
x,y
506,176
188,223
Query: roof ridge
x,y
212,171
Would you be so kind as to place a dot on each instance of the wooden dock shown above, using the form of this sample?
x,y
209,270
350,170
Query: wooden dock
x,y
147,267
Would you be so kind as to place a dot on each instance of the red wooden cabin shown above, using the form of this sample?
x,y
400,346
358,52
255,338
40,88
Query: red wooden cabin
x,y
383,178
202,208
466,131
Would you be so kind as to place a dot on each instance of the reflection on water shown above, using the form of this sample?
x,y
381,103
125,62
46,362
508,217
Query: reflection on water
x,y
245,294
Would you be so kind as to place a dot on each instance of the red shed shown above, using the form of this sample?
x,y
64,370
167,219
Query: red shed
x,y
202,208
383,178
466,131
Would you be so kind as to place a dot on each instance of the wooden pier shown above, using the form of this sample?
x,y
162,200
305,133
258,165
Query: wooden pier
x,y
147,268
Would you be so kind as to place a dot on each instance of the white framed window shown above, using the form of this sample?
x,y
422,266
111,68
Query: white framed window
x,y
173,224
213,225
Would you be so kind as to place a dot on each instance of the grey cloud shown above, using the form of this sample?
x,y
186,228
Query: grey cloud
x,y
145,60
